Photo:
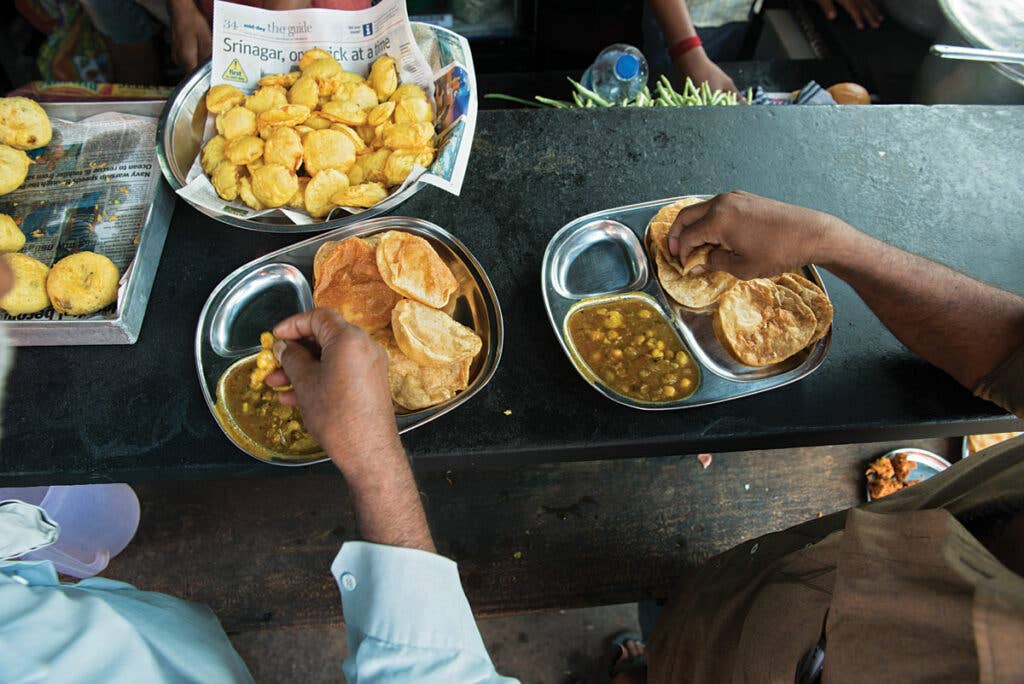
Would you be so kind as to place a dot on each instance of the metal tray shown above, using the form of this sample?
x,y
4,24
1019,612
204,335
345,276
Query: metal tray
x,y
603,255
124,328
179,137
264,291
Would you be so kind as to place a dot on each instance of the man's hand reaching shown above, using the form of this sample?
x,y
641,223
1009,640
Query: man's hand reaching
x,y
752,236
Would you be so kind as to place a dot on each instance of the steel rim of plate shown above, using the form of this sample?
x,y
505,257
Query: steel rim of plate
x,y
164,141
711,381
496,336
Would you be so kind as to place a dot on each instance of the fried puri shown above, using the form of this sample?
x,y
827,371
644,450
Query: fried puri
x,y
693,291
350,282
24,125
761,323
13,168
82,284
411,267
28,294
431,337
11,236
415,386
814,297
662,223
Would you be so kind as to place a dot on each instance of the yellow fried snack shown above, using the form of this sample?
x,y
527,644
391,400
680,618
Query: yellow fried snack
x,y
82,284
310,56
348,113
413,109
318,122
761,323
327,149
246,195
357,142
431,337
305,92
380,114
289,115
359,94
412,134
213,153
266,98
244,150
274,185
13,168
373,165
411,267
28,294
236,122
814,297
384,77
23,123
284,147
321,188
225,180
407,90
414,386
11,236
298,200
355,174
281,80
327,73
400,163
362,195
221,98
346,279
693,291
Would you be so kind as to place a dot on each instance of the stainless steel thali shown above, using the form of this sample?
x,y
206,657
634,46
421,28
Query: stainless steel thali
x,y
264,291
604,255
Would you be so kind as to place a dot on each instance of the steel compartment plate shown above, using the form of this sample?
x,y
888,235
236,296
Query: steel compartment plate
x,y
609,246
268,289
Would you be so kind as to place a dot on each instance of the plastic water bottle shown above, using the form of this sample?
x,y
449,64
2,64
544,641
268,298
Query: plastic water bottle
x,y
618,73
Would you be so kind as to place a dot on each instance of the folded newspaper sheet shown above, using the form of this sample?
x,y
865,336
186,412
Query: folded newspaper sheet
x,y
90,189
249,43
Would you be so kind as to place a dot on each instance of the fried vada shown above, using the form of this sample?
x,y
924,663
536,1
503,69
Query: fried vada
x,y
13,168
82,284
24,125
28,294
431,337
411,267
11,236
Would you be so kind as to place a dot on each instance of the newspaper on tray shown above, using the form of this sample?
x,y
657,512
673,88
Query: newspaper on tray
x,y
249,43
91,190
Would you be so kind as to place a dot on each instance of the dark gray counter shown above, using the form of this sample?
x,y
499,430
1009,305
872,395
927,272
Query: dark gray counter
x,y
945,182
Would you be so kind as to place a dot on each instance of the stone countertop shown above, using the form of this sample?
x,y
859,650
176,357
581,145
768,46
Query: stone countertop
x,y
942,181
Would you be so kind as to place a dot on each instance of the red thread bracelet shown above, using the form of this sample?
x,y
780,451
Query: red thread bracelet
x,y
684,46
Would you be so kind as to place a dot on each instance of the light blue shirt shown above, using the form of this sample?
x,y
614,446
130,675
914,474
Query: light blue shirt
x,y
406,616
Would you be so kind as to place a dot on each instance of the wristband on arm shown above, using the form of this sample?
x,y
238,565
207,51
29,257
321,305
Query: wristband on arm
x,y
684,46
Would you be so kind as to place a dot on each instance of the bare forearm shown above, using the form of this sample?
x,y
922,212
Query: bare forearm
x,y
959,324
387,502
674,20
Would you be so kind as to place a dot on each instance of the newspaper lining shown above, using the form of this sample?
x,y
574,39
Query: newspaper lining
x,y
250,43
91,190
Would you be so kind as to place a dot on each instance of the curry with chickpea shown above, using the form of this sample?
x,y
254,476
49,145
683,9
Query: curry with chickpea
x,y
630,347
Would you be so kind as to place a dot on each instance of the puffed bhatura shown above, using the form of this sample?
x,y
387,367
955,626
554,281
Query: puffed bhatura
x,y
11,236
13,168
411,267
415,386
28,294
24,125
762,323
349,281
82,284
431,337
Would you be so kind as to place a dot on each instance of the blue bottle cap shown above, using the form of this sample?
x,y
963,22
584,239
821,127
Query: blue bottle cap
x,y
627,67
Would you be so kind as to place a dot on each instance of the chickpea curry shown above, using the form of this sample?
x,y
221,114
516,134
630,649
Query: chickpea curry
x,y
630,347
254,407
